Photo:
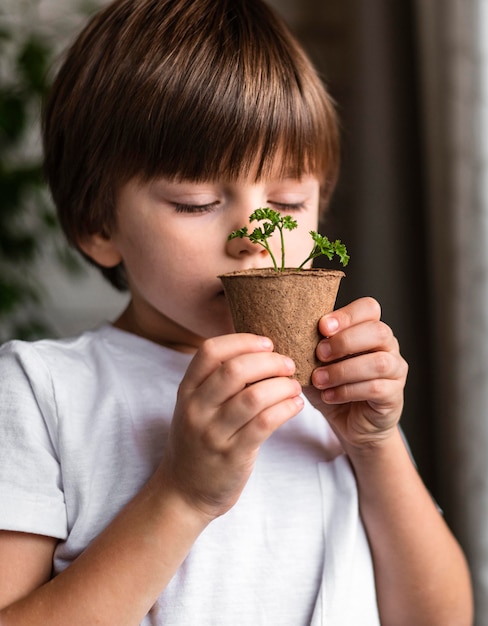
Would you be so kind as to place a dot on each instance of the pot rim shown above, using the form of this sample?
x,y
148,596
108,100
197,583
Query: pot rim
x,y
288,271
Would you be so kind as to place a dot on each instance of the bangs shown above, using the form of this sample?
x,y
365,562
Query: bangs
x,y
241,101
210,137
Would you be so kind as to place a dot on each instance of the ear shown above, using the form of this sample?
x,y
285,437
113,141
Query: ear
x,y
101,249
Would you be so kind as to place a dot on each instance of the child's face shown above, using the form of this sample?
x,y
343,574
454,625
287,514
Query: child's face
x,y
173,240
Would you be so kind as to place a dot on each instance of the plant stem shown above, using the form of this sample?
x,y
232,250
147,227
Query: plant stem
x,y
282,248
266,247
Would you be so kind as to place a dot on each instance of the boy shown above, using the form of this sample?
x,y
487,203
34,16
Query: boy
x,y
162,469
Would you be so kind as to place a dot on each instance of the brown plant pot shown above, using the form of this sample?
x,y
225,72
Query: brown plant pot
x,y
284,306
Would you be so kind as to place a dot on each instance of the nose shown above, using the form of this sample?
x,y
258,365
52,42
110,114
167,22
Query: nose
x,y
245,250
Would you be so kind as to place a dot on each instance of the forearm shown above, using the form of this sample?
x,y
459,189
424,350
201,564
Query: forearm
x,y
120,575
421,573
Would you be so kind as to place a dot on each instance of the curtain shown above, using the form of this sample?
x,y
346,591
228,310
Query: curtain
x,y
454,53
411,82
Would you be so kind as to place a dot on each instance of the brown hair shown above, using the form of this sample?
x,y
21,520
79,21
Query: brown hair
x,y
194,89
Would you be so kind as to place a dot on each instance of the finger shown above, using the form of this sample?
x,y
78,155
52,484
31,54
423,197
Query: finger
x,y
237,373
365,337
257,430
217,350
255,400
372,367
380,394
360,310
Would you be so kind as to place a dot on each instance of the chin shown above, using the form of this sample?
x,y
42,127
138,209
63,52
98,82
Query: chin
x,y
224,328
218,321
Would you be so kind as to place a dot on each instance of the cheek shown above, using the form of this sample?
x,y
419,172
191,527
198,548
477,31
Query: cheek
x,y
145,241
299,243
167,265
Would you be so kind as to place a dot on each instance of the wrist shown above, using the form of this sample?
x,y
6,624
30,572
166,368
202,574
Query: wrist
x,y
383,468
371,448
172,502
381,459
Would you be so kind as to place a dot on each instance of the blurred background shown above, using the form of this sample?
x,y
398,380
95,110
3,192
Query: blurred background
x,y
411,84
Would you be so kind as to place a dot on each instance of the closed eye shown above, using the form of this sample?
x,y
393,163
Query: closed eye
x,y
289,206
195,208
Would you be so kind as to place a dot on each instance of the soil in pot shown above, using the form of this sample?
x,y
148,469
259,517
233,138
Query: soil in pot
x,y
285,306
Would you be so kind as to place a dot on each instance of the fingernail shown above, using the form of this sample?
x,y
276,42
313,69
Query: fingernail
x,y
289,364
328,395
266,343
324,350
331,324
298,401
321,378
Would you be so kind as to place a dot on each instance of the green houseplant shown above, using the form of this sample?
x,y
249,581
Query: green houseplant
x,y
272,221
283,303
28,227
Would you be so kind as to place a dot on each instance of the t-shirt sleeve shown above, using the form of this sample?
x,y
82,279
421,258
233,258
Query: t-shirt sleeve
x,y
31,491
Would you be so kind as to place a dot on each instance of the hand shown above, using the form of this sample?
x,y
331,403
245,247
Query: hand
x,y
236,392
361,385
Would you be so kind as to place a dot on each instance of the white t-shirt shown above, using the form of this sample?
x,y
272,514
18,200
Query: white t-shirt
x,y
83,424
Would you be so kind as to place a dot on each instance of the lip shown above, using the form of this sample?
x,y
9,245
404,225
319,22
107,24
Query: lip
x,y
219,290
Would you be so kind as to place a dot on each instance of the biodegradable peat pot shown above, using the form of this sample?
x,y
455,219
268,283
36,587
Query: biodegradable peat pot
x,y
285,306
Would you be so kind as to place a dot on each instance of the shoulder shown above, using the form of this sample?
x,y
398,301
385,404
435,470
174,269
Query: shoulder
x,y
49,369
35,359
102,344
83,364
31,372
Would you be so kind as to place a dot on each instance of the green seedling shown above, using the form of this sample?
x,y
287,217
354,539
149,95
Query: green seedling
x,y
273,220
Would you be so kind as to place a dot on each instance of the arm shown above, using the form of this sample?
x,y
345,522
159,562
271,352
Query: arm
x,y
124,562
221,419
420,570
